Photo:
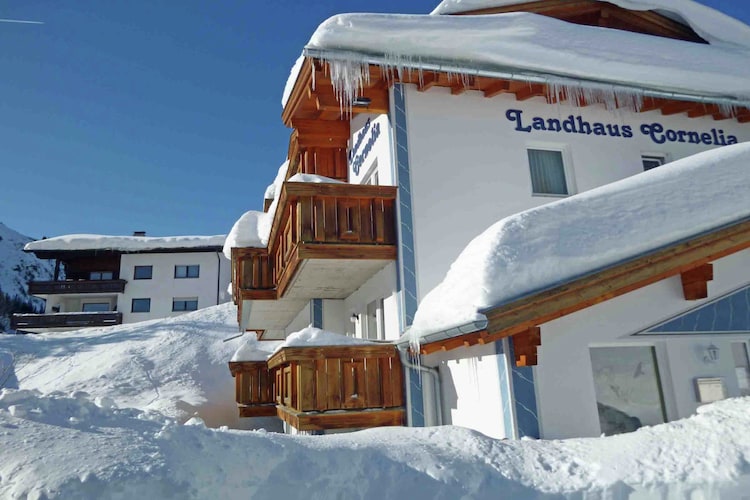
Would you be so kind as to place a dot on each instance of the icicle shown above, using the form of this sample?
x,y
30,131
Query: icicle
x,y
727,110
581,94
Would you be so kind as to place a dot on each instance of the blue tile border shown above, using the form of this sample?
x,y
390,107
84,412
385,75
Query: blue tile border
x,y
506,401
316,313
407,275
524,397
727,314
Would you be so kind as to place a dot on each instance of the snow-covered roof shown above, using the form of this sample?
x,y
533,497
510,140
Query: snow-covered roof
x,y
253,229
524,46
556,243
712,25
88,242
254,350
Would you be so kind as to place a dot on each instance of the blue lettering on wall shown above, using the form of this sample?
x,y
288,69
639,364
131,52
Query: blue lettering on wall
x,y
357,160
654,131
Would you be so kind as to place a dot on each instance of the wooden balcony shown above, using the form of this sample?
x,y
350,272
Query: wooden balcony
x,y
326,241
338,387
64,320
78,286
253,388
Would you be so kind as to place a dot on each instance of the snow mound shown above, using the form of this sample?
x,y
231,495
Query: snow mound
x,y
314,179
176,366
254,350
310,336
68,446
712,25
548,245
123,243
522,45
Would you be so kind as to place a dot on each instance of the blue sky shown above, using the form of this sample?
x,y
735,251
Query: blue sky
x,y
155,116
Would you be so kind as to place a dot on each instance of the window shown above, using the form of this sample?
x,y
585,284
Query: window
x,y
373,325
547,172
95,307
190,304
100,275
372,178
143,272
187,271
741,367
653,161
141,306
627,386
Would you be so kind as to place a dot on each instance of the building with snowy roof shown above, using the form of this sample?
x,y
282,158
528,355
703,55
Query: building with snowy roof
x,y
107,280
413,134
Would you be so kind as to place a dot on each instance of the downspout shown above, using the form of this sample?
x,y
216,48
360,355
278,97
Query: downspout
x,y
433,372
218,277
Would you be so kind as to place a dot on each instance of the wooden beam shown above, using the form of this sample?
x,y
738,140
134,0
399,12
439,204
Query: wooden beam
x,y
496,87
598,287
677,107
525,345
250,411
428,81
527,90
343,420
695,282
452,343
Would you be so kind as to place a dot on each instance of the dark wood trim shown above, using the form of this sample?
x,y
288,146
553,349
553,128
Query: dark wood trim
x,y
342,420
353,251
289,354
250,411
695,282
78,286
63,320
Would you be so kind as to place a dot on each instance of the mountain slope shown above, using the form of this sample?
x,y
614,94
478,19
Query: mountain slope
x,y
17,268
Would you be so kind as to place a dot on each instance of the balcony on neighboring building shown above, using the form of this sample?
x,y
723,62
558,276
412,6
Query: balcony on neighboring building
x,y
76,287
33,322
326,241
325,387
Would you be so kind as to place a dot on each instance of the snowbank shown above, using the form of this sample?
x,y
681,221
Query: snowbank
x,y
523,44
123,243
554,243
311,336
254,350
712,25
177,366
72,446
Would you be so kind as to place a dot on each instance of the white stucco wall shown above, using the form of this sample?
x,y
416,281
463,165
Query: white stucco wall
x,y
381,286
564,379
301,321
470,387
163,286
363,159
469,166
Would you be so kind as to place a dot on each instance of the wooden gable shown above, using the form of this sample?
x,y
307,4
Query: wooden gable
x,y
602,14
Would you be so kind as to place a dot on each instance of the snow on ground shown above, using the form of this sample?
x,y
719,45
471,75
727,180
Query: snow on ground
x,y
59,446
177,366
123,243
96,415
712,25
554,243
523,45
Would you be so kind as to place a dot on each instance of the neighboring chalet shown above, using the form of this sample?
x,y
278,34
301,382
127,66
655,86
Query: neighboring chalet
x,y
109,280
413,134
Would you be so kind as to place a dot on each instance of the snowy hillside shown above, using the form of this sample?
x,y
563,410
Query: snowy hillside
x,y
17,268
176,366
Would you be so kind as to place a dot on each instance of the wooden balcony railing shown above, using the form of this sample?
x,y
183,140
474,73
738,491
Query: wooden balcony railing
x,y
81,286
317,221
64,320
253,388
365,381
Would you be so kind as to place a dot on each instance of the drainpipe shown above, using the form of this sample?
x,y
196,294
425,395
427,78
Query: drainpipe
x,y
433,372
218,277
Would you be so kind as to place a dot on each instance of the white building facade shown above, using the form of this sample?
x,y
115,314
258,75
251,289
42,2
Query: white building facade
x,y
465,151
104,280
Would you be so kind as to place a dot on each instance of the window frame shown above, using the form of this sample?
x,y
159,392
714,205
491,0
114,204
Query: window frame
x,y
101,275
646,155
184,301
567,165
139,299
187,271
150,274
84,304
